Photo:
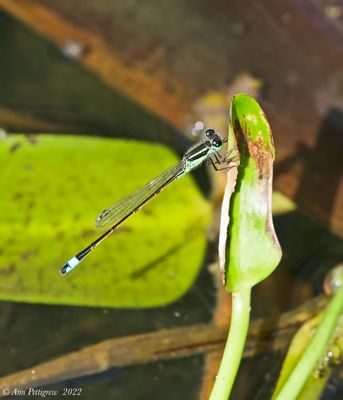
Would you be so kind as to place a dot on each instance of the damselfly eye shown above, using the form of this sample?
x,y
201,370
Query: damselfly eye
x,y
217,142
210,133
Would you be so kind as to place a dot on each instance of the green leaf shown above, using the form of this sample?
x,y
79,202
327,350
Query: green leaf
x,y
299,343
52,188
310,349
252,251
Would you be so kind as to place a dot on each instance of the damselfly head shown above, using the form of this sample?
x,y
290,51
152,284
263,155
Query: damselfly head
x,y
215,140
210,133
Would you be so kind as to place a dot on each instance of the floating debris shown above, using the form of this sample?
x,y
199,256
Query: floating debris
x,y
73,49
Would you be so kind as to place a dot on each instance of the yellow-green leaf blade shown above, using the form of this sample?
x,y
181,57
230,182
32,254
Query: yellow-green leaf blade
x,y
52,189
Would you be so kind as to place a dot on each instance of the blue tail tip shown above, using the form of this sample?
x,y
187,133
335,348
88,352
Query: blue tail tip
x,y
69,266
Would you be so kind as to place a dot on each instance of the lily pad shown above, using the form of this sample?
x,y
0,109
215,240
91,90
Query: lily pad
x,y
52,187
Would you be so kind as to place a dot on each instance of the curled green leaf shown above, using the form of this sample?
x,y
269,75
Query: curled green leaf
x,y
249,249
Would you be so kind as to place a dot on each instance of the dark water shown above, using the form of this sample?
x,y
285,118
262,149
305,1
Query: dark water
x,y
37,80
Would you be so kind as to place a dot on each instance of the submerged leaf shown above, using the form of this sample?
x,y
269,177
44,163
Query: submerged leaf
x,y
315,349
252,250
301,340
52,187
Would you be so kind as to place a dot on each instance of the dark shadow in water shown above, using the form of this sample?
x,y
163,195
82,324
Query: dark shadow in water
x,y
322,167
165,380
157,262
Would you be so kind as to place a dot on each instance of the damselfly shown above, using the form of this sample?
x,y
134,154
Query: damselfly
x,y
113,217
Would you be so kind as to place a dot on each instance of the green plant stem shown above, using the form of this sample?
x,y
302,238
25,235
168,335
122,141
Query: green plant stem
x,y
314,351
234,345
